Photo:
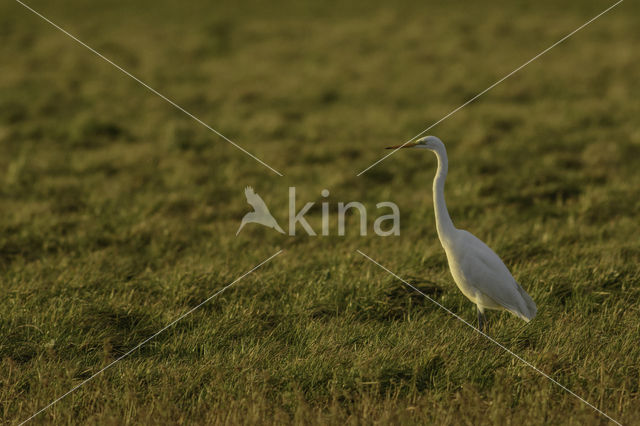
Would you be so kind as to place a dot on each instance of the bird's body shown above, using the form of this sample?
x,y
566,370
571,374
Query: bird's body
x,y
260,214
476,269
484,279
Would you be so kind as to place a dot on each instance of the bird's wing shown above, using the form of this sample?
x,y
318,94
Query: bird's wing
x,y
255,201
489,275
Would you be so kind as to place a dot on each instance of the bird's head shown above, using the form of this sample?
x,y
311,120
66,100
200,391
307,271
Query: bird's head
x,y
427,142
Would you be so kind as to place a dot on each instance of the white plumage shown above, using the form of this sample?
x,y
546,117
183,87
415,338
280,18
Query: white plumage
x,y
476,269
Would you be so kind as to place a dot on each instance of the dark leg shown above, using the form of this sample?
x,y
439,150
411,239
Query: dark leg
x,y
481,320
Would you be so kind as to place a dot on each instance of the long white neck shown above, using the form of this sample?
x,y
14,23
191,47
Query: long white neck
x,y
444,225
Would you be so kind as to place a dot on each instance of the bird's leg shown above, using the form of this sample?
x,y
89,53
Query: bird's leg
x,y
481,320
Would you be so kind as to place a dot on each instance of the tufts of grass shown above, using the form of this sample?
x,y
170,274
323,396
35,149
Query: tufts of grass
x,y
118,213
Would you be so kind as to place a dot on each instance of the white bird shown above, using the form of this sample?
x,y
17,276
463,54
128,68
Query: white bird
x,y
477,271
260,214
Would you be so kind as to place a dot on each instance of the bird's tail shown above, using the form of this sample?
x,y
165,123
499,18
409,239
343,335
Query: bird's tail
x,y
530,309
277,227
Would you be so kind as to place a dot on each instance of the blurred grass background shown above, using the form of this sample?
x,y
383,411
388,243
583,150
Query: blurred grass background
x,y
118,212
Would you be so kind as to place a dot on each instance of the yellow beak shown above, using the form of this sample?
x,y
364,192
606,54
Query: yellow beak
x,y
404,145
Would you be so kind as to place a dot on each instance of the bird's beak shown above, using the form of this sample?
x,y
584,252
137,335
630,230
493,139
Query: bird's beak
x,y
404,145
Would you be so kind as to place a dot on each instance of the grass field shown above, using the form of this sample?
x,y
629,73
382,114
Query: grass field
x,y
118,213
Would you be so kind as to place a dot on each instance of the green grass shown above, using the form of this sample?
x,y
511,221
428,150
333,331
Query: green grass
x,y
118,213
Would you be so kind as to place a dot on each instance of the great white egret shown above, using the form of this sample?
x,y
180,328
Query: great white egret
x,y
478,272
261,213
